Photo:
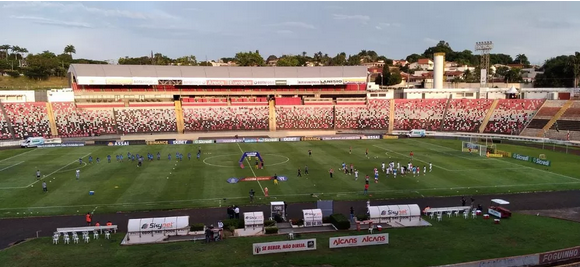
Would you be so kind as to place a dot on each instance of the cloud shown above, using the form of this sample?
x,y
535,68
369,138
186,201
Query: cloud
x,y
362,18
47,21
295,24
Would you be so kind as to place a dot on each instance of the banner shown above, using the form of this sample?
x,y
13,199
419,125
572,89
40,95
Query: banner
x,y
265,82
69,144
281,82
543,162
259,178
233,180
371,137
260,140
157,142
559,255
358,241
145,81
229,141
183,142
390,137
117,143
193,81
334,81
203,141
136,142
290,139
217,82
284,246
310,138
495,156
520,157
338,137
241,82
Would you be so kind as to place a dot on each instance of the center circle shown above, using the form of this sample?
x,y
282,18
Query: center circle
x,y
208,159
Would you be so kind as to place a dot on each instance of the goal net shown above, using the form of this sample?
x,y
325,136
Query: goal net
x,y
474,148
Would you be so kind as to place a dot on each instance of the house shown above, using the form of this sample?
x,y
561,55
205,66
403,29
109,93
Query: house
x,y
401,62
423,64
379,64
529,74
450,75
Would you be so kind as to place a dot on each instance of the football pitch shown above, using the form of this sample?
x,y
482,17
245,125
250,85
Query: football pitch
x,y
171,184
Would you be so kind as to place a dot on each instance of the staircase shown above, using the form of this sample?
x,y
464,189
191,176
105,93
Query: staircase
x,y
179,117
391,116
52,121
445,113
10,128
553,120
272,115
488,116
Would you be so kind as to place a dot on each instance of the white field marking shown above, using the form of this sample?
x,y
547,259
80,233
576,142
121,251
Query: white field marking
x,y
520,166
414,158
67,170
250,166
54,172
419,193
224,166
17,155
468,170
288,195
449,149
12,166
93,212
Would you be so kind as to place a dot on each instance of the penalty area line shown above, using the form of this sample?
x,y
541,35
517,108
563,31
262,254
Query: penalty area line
x,y
250,166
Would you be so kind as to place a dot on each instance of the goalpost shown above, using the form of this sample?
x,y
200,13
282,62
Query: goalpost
x,y
475,148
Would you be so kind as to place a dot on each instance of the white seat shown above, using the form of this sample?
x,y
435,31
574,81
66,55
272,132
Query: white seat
x,y
439,217
450,213
66,238
370,230
107,235
466,214
473,214
95,234
431,215
291,235
76,239
456,213
55,239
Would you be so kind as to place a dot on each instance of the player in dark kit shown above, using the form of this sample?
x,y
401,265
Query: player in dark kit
x,y
299,173
309,153
306,170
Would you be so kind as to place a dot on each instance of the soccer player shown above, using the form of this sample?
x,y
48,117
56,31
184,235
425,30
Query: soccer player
x,y
169,156
430,167
395,173
424,170
257,164
98,160
343,167
299,173
398,165
367,153
37,174
350,150
189,156
367,178
351,168
140,163
78,174
376,177
306,169
411,154
80,161
383,167
331,171
132,157
414,171
355,175
309,153
418,171
90,159
109,158
198,154
121,158
158,156
366,188
44,187
403,170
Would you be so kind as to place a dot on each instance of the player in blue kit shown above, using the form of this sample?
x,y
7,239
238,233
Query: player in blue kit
x,y
158,156
198,154
90,159
189,155
80,161
169,156
109,158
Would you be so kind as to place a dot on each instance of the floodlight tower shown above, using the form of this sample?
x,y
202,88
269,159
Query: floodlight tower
x,y
484,48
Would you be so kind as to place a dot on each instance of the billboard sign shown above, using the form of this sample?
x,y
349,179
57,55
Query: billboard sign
x,y
203,141
559,255
290,139
358,241
284,246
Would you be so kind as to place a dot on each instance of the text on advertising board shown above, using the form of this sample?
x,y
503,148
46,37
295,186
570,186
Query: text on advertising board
x,y
160,226
358,241
157,142
560,255
180,142
118,143
284,246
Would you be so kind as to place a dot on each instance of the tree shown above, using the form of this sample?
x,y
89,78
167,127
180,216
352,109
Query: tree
x,y
43,65
514,75
186,61
205,63
558,72
413,58
288,61
501,71
271,58
227,59
522,59
70,49
249,59
388,78
502,59
575,61
5,48
339,59
441,47
353,60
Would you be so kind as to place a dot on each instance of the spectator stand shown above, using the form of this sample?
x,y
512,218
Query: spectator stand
x,y
232,118
304,117
465,115
145,120
419,114
396,216
157,230
512,115
253,224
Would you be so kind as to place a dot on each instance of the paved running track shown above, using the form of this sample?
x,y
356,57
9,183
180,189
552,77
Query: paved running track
x,y
17,229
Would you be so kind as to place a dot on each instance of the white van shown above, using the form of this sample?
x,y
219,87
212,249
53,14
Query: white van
x,y
416,133
33,142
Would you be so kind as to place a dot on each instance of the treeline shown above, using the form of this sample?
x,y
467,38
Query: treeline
x,y
562,71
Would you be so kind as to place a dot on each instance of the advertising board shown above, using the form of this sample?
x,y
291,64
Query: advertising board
x,y
520,157
204,141
358,241
341,137
229,141
68,144
289,139
182,142
164,142
559,255
371,137
541,162
284,246
307,138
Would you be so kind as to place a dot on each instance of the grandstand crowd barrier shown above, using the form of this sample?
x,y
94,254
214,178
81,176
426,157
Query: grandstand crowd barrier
x,y
465,115
511,116
304,117
225,118
132,120
419,114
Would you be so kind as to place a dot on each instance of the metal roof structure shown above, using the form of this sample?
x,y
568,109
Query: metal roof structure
x,y
156,71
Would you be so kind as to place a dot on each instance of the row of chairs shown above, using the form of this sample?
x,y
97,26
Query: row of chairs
x,y
75,237
453,213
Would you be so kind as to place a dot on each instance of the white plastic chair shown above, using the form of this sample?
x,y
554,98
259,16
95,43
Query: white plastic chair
x,y
75,239
473,214
55,239
108,235
431,215
456,213
66,238
86,237
439,216
96,234
449,213
466,214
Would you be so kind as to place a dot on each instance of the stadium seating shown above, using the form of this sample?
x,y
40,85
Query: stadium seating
x,y
137,120
4,131
372,116
226,118
511,115
465,115
419,114
28,119
304,117
76,122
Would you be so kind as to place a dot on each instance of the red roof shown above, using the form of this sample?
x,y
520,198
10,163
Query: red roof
x,y
423,61
453,73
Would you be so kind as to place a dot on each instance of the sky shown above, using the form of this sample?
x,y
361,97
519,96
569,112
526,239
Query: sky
x,y
110,30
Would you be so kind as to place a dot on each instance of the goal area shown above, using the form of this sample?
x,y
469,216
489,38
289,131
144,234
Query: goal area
x,y
479,149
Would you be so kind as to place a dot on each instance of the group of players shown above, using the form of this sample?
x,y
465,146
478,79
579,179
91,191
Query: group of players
x,y
140,158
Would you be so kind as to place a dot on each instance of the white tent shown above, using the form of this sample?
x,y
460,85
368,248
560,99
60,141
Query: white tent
x,y
153,230
312,217
254,219
512,90
382,214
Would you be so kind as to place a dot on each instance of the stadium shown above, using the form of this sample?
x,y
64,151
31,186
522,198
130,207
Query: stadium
x,y
147,165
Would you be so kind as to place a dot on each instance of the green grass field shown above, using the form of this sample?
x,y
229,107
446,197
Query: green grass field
x,y
23,83
449,241
164,184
